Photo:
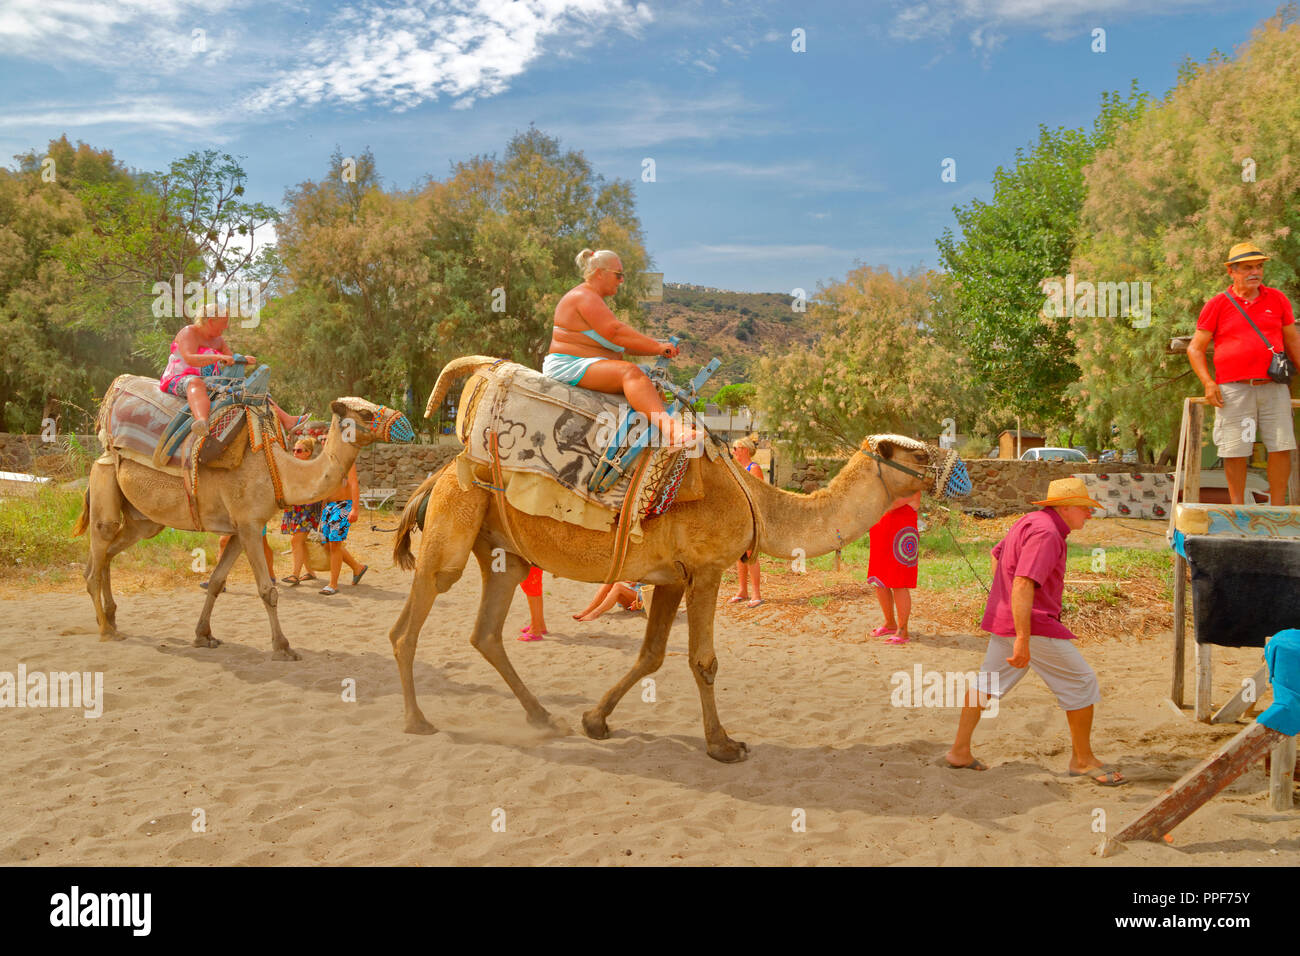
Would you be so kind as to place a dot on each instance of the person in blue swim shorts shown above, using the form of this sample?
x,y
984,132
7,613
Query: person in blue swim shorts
x,y
589,342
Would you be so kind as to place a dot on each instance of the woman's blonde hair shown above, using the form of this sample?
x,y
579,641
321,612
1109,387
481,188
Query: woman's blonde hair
x,y
589,261
306,441
208,313
749,443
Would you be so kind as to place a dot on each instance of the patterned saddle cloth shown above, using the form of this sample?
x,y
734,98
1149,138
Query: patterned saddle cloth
x,y
136,413
549,438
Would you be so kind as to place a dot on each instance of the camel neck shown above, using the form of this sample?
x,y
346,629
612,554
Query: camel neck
x,y
308,481
827,519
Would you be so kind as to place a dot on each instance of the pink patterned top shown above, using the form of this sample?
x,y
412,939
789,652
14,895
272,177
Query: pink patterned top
x,y
176,367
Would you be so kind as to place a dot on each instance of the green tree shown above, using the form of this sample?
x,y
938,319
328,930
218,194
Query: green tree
x,y
889,360
1009,247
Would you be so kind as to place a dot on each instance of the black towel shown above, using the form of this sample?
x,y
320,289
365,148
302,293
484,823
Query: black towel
x,y
1243,590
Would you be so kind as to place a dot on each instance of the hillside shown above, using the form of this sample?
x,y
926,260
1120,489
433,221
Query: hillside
x,y
736,327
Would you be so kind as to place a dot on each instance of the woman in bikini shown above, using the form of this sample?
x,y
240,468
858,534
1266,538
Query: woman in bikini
x,y
589,342
199,350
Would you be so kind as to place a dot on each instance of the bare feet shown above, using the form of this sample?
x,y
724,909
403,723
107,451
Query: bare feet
x,y
199,427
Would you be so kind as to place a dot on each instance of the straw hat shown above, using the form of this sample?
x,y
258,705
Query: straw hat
x,y
1245,252
1064,492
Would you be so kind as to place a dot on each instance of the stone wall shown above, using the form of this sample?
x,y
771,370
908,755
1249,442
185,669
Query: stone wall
x,y
403,467
1010,487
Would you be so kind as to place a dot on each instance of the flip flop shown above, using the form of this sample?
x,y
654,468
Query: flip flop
x,y
529,636
298,423
898,639
356,578
754,603
308,577
737,599
291,580
1102,776
327,590
975,764
883,630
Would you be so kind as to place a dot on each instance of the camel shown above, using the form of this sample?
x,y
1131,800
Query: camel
x,y
683,553
126,502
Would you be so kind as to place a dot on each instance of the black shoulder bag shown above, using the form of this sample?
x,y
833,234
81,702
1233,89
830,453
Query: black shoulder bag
x,y
1279,367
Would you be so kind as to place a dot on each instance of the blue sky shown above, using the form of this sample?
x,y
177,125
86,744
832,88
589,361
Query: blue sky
x,y
774,169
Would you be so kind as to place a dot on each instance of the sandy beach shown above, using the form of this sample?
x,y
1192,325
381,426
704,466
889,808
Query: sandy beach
x,y
280,769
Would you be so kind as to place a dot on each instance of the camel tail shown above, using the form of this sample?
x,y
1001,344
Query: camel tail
x,y
412,518
451,372
83,519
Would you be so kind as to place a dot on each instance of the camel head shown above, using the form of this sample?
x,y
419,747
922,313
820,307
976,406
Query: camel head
x,y
917,466
373,422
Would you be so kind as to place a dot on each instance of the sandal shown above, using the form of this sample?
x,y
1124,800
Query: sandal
x,y
754,603
298,423
527,635
291,580
327,590
898,639
1102,776
356,578
738,598
308,577
883,630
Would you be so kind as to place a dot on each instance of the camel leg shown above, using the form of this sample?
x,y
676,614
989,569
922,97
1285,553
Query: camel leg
x,y
663,608
251,538
445,546
135,530
494,605
216,584
701,602
105,522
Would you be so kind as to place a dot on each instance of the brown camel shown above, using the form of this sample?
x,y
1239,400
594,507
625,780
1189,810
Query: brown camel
x,y
127,501
683,552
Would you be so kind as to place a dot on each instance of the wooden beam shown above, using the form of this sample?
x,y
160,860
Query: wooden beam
x,y
1196,787
1281,783
1195,438
1180,628
1238,704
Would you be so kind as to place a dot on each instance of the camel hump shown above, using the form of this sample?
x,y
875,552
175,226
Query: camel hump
x,y
454,370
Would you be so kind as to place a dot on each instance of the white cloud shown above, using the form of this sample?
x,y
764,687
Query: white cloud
x,y
401,56
985,21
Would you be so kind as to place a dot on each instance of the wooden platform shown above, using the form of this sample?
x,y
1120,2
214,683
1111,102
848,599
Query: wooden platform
x,y
1247,521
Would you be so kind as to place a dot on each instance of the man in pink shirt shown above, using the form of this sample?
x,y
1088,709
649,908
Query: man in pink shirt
x,y
1023,618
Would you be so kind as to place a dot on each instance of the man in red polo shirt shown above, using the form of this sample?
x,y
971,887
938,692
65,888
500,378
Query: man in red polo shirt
x,y
1023,618
1251,406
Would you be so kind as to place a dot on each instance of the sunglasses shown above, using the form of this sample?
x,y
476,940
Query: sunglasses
x,y
619,274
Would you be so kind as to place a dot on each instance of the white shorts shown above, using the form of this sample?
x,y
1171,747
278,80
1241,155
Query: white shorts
x,y
1252,413
1057,661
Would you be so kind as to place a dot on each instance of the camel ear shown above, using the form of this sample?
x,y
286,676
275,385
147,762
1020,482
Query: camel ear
x,y
339,409
885,449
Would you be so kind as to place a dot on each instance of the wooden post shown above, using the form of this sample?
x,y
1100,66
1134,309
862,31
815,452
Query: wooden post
x,y
1281,785
1195,437
1180,636
1293,486
1204,682
1196,787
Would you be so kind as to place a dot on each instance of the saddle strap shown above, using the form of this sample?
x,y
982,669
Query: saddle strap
x,y
623,533
498,487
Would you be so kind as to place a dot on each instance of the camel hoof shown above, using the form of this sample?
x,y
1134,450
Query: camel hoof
x,y
733,751
286,654
206,640
557,726
418,725
594,725
110,635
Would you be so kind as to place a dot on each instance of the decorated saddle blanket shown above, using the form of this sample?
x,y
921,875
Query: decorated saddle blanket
x,y
135,416
549,437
